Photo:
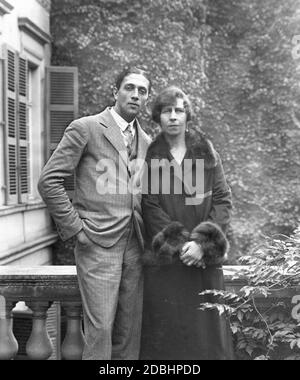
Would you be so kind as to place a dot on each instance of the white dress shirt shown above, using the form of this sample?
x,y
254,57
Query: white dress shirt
x,y
123,124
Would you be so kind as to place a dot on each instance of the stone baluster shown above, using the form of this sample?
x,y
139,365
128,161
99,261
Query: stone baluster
x,y
39,345
72,346
8,343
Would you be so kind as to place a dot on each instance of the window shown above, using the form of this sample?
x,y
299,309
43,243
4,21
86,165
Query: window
x,y
62,108
16,127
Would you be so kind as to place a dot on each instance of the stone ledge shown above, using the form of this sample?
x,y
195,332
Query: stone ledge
x,y
55,283
9,210
59,283
26,249
33,30
57,272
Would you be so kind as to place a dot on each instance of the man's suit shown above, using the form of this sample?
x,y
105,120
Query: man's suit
x,y
112,222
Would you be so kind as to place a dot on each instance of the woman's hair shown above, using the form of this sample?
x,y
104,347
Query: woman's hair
x,y
132,70
167,97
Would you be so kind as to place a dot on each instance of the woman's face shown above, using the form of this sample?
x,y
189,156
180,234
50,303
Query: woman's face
x,y
173,119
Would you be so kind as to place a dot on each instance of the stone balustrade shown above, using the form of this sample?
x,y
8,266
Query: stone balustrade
x,y
40,287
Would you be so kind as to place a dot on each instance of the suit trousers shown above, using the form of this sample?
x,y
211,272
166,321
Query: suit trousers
x,y
111,287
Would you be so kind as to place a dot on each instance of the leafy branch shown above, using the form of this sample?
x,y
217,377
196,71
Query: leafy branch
x,y
263,330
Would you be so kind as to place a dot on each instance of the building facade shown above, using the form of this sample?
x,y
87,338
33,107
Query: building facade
x,y
37,102
29,108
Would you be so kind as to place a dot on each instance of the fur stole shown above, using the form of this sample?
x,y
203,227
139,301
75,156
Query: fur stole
x,y
167,244
197,144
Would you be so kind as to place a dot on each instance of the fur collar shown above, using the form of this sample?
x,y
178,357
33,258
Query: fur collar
x,y
199,147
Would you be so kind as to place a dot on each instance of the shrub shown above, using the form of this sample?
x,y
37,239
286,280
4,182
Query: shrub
x,y
262,324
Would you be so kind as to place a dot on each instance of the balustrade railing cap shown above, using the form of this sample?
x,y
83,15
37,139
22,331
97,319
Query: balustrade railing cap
x,y
59,283
36,272
63,271
39,283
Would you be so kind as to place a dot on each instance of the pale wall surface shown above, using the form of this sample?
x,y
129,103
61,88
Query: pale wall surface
x,y
22,225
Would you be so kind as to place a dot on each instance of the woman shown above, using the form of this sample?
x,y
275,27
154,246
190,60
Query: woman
x,y
185,225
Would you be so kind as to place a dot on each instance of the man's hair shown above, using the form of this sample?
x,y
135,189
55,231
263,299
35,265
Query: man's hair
x,y
132,70
167,97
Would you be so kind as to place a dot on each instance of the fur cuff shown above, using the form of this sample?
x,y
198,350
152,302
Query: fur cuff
x,y
167,245
213,242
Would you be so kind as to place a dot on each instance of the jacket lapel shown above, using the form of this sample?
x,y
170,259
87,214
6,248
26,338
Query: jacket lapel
x,y
142,142
113,133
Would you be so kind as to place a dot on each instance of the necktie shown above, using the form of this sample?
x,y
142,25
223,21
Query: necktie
x,y
129,139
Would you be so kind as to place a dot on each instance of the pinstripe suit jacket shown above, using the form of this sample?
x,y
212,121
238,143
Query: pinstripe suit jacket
x,y
88,145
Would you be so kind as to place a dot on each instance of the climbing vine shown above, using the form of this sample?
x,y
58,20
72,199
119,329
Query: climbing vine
x,y
234,59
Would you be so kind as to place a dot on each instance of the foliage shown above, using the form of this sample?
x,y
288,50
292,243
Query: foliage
x,y
63,252
233,58
261,320
253,98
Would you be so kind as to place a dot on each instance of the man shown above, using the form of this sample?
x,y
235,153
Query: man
x,y
107,223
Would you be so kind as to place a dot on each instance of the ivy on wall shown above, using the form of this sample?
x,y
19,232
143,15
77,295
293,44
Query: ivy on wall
x,y
233,58
45,4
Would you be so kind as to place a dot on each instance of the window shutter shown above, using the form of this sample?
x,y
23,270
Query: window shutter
x,y
16,131
62,108
10,118
23,130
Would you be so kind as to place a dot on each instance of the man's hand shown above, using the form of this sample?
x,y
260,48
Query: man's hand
x,y
83,238
192,254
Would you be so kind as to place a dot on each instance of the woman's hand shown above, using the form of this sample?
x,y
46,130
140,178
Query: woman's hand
x,y
192,254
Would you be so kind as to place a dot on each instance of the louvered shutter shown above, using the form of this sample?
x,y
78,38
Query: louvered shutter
x,y
10,101
16,126
23,128
62,102
10,118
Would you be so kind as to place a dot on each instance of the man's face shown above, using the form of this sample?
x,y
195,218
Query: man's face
x,y
131,96
173,119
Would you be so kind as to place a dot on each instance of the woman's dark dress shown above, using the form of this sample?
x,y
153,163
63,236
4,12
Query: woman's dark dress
x,y
173,327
